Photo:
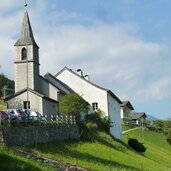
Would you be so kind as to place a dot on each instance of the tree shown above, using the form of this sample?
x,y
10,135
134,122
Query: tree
x,y
73,104
4,81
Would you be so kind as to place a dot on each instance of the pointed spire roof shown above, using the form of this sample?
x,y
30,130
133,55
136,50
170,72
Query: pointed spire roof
x,y
26,35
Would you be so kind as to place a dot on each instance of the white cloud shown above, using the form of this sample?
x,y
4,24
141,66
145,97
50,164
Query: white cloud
x,y
113,56
8,5
158,90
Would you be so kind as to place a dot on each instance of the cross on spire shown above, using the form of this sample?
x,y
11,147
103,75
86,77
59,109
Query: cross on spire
x,y
25,5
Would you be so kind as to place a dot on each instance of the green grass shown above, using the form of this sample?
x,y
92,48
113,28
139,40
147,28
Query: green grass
x,y
158,149
3,105
126,127
9,161
108,154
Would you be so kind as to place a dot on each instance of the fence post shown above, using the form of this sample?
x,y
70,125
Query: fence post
x,y
57,118
51,117
66,119
74,119
70,119
62,119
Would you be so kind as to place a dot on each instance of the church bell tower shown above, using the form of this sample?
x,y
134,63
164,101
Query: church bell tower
x,y
26,58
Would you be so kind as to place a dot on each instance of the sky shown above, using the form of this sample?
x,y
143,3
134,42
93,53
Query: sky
x,y
123,45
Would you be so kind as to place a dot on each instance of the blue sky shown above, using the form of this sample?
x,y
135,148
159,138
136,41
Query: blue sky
x,y
124,45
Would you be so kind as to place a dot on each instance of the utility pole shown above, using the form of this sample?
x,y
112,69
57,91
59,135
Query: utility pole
x,y
6,88
142,130
26,44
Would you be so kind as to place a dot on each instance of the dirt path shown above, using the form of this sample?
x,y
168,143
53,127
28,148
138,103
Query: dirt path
x,y
130,130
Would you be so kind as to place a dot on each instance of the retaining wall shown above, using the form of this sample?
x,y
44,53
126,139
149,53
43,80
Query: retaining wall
x,y
28,136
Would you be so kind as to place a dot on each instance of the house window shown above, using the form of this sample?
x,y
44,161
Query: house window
x,y
23,54
95,105
26,104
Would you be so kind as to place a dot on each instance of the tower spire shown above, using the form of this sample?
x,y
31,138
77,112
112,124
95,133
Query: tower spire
x,y
26,35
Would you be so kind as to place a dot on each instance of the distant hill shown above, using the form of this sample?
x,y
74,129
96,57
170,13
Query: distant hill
x,y
4,81
151,118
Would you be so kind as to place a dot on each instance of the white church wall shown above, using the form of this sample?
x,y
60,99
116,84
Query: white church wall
x,y
114,114
88,91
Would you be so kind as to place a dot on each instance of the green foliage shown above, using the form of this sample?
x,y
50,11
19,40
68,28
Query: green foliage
x,y
168,135
88,131
73,104
4,81
92,123
146,123
98,117
162,126
159,124
137,146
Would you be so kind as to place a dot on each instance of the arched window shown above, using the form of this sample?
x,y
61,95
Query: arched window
x,y
23,54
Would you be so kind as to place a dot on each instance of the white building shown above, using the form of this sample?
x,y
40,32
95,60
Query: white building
x,y
98,97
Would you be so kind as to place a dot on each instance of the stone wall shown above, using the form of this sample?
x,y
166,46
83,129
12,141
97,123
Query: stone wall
x,y
28,136
60,165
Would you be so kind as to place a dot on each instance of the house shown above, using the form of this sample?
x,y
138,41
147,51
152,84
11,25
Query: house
x,y
126,109
137,118
96,96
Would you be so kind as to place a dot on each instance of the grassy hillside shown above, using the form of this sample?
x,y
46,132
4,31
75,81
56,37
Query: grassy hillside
x,y
2,105
12,162
158,149
108,154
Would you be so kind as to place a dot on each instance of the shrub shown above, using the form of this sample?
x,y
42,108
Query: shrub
x,y
88,131
73,104
168,136
137,146
155,128
98,117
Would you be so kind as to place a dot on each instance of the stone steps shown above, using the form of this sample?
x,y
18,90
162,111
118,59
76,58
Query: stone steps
x,y
60,165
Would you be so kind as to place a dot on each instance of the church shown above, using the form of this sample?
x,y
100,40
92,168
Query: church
x,y
42,94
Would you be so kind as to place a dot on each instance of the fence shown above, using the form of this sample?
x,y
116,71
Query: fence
x,y
63,119
39,120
